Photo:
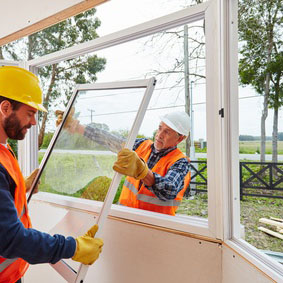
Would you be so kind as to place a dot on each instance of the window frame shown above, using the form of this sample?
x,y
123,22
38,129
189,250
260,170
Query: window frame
x,y
205,10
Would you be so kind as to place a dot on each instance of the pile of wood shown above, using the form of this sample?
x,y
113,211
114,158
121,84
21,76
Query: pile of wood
x,y
277,223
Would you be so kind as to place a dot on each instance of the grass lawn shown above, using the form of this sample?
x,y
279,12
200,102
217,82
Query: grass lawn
x,y
251,147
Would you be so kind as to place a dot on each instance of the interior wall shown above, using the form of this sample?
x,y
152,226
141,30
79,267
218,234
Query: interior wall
x,y
131,252
236,269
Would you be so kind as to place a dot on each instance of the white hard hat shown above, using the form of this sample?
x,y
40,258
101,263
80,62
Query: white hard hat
x,y
178,121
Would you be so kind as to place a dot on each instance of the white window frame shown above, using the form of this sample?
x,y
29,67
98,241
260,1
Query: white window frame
x,y
206,10
230,137
223,223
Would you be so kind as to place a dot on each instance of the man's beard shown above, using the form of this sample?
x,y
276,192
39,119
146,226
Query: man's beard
x,y
13,128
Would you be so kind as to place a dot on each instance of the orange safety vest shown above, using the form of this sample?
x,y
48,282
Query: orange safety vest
x,y
12,270
133,195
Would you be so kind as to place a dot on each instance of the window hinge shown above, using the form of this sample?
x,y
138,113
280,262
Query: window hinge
x,y
221,112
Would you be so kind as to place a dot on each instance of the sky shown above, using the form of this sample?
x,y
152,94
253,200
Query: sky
x,y
117,15
138,59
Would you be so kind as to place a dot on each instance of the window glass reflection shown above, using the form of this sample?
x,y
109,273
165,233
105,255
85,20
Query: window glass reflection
x,y
94,131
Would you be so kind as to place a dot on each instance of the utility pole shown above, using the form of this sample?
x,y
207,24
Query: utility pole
x,y
192,149
91,110
187,84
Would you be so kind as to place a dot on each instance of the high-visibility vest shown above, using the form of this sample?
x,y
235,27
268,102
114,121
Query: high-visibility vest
x,y
12,270
135,194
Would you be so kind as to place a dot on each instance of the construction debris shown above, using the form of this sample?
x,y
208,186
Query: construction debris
x,y
271,222
270,232
276,219
276,222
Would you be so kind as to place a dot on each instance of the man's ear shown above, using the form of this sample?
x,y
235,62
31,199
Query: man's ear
x,y
181,138
6,108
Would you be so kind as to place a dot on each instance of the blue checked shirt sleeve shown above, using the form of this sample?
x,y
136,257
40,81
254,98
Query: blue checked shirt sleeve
x,y
167,187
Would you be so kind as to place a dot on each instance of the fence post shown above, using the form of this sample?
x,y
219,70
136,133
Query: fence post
x,y
241,182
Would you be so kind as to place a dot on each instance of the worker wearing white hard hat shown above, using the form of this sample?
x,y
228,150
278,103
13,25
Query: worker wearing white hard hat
x,y
157,172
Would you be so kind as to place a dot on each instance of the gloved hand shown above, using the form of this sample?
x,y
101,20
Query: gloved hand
x,y
88,247
128,163
29,181
70,123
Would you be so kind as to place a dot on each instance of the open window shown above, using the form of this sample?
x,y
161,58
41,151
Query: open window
x,y
142,44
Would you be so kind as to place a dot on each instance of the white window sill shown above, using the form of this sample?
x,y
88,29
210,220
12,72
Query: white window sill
x,y
187,224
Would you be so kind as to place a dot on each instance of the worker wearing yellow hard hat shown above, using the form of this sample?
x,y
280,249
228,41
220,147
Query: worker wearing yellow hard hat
x,y
20,98
22,86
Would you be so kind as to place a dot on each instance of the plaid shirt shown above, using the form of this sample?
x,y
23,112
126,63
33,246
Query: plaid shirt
x,y
165,188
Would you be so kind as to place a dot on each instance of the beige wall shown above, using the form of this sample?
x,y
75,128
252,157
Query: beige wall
x,y
134,253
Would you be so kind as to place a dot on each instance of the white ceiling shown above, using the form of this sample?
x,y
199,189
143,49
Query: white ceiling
x,y
19,18
16,15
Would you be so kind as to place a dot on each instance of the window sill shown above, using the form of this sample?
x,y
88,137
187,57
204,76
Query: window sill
x,y
188,224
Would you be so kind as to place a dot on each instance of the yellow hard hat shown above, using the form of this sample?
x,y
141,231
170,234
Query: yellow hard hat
x,y
21,85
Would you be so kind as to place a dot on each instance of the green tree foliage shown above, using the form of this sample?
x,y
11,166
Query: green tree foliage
x,y
260,30
58,79
246,138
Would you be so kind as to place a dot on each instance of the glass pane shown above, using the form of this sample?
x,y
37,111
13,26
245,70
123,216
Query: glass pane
x,y
81,161
133,12
162,55
261,181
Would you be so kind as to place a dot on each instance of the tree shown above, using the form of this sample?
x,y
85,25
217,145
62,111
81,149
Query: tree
x,y
275,68
260,27
186,67
59,79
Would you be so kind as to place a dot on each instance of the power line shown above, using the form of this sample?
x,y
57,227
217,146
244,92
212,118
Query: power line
x,y
153,108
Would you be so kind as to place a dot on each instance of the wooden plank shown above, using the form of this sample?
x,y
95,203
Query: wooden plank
x,y
276,219
270,232
52,20
271,222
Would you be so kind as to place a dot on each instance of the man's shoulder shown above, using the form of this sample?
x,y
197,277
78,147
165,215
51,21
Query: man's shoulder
x,y
139,141
3,170
6,180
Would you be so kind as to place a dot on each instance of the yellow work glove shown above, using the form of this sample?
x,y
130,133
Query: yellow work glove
x,y
29,180
70,123
88,247
128,163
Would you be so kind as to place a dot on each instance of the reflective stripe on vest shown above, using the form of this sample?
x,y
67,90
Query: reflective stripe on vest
x,y
6,263
150,199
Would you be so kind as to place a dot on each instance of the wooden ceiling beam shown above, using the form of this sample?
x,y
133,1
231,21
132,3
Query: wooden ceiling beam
x,y
52,20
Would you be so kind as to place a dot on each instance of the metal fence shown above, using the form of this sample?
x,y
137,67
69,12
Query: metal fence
x,y
261,179
198,181
257,179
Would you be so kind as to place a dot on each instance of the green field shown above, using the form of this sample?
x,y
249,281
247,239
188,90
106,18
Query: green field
x,y
248,147
254,147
